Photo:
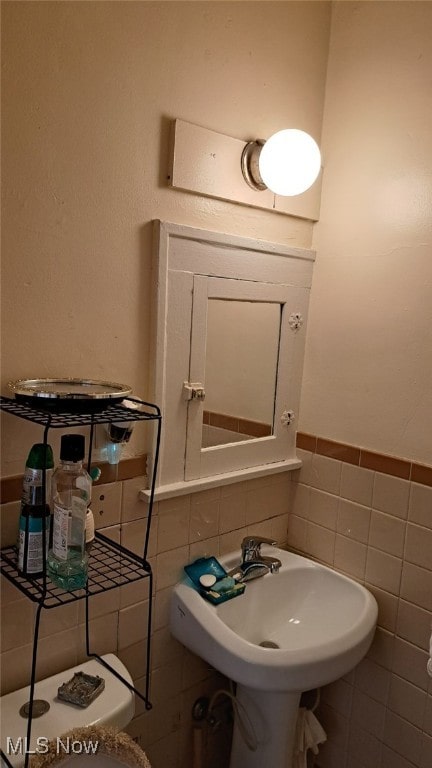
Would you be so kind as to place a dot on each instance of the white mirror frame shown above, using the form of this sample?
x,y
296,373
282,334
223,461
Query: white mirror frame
x,y
284,273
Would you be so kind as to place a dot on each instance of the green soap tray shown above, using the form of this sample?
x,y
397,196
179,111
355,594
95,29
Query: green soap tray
x,y
211,565
220,597
202,566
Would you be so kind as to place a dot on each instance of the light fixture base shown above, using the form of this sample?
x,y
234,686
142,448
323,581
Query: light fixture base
x,y
250,164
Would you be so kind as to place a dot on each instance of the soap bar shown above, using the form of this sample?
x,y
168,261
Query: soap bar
x,y
207,580
224,585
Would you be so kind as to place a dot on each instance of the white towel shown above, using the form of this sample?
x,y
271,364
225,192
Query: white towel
x,y
429,663
309,733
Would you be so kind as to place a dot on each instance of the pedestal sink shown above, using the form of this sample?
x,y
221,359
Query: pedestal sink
x,y
289,632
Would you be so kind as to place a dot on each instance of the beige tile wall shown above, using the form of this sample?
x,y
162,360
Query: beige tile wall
x,y
208,523
377,529
374,527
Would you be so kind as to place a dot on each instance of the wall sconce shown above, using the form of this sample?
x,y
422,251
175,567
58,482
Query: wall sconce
x,y
207,163
288,163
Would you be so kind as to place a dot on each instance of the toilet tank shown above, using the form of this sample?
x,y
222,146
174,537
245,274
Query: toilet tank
x,y
114,706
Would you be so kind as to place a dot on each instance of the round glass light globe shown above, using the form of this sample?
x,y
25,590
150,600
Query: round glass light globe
x,y
289,162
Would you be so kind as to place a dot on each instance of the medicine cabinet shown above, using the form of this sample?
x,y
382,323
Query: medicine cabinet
x,y
229,321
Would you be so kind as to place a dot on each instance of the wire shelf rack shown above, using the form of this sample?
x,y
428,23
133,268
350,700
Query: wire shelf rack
x,y
140,411
110,564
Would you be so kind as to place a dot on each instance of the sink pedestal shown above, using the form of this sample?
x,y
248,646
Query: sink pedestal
x,y
273,717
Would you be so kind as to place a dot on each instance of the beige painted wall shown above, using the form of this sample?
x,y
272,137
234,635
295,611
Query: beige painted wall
x,y
368,367
89,90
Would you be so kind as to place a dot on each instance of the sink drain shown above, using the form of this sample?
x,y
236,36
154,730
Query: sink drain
x,y
268,644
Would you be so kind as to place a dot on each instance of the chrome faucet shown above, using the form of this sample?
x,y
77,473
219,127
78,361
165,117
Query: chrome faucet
x,y
253,563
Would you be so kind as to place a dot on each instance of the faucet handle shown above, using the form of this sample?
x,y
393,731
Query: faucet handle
x,y
251,546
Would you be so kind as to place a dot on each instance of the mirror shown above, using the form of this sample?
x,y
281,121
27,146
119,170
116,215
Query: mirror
x,y
241,365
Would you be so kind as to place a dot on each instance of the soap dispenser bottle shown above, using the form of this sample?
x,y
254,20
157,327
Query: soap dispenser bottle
x,y
70,497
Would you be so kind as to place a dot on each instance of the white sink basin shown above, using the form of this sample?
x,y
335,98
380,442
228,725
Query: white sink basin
x,y
321,622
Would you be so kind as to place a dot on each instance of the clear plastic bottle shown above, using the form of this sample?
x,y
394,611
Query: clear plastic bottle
x,y
70,497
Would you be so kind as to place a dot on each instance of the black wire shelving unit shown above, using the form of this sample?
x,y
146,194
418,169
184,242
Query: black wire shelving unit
x,y
110,564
